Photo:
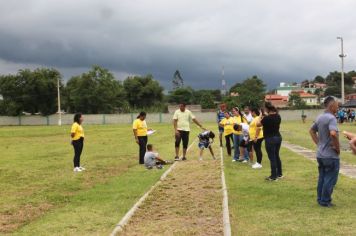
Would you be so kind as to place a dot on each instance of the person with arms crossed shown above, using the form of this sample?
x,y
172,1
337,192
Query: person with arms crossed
x,y
324,133
77,134
270,124
181,124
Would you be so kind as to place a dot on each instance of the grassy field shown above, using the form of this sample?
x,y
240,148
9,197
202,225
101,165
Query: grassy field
x,y
41,195
288,206
298,133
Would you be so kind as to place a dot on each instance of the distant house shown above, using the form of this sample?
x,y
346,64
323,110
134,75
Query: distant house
x,y
351,96
354,80
285,89
277,100
312,87
308,98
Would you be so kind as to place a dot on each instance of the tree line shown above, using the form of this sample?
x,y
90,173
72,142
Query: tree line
x,y
99,92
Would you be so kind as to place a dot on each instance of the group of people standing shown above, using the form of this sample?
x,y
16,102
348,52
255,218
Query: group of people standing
x,y
243,131
246,130
345,115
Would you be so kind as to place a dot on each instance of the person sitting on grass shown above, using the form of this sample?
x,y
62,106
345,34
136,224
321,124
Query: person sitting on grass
x,y
206,138
152,158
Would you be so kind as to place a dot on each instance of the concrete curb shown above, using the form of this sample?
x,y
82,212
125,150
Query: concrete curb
x,y
226,214
120,226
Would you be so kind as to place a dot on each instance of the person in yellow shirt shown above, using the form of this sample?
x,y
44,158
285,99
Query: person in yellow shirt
x,y
77,134
140,129
181,124
237,134
256,137
228,124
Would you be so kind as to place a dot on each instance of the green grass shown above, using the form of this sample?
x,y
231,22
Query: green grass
x,y
298,133
41,194
287,207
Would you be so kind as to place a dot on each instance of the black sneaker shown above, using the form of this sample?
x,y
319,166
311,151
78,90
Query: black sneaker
x,y
327,204
176,158
280,176
269,178
184,159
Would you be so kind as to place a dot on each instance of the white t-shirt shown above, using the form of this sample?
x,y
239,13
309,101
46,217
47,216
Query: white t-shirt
x,y
150,159
245,131
249,117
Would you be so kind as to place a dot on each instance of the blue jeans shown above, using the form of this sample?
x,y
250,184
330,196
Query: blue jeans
x,y
237,140
273,145
328,175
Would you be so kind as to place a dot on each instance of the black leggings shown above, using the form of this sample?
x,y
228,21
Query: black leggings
x,y
184,137
228,143
78,148
257,147
142,142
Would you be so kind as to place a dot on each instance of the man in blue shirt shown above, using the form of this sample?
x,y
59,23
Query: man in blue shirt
x,y
220,117
324,133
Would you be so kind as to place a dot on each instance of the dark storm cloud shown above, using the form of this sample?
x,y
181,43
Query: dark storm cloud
x,y
277,40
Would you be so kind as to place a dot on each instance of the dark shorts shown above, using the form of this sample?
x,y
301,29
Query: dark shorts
x,y
203,144
221,130
184,137
247,145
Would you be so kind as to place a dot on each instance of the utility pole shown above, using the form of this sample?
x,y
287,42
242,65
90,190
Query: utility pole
x,y
342,56
59,104
223,83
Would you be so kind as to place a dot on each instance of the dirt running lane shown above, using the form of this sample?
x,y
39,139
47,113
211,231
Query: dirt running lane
x,y
187,202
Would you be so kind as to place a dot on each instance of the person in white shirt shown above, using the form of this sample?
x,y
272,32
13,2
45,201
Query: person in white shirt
x,y
247,115
245,143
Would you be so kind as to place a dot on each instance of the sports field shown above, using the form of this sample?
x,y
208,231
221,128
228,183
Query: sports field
x,y
41,195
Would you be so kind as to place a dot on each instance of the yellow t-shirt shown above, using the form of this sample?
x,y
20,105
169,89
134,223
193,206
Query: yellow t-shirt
x,y
183,119
140,126
238,120
77,130
253,129
228,125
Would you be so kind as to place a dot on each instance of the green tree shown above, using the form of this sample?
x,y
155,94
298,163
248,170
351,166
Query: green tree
x,y
143,92
95,92
296,101
251,91
181,95
30,91
319,79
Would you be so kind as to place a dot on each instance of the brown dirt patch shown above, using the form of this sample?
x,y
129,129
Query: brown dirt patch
x,y
188,202
11,220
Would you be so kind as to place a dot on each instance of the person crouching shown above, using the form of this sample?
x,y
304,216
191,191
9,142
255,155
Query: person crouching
x,y
206,138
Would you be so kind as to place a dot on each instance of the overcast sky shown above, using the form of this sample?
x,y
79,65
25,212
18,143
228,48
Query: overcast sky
x,y
278,40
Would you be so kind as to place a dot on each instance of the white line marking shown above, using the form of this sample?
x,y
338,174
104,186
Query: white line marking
x,y
226,214
120,226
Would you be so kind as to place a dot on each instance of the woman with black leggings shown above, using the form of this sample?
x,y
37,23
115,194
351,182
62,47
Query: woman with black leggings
x,y
256,137
139,128
77,134
228,124
273,140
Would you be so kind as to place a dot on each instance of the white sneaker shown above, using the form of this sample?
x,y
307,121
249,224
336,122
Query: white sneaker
x,y
233,160
82,168
77,169
200,158
257,166
244,161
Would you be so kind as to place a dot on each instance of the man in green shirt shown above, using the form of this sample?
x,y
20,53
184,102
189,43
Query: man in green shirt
x,y
181,123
